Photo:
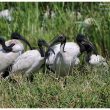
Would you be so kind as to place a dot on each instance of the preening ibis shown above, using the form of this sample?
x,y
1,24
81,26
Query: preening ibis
x,y
10,50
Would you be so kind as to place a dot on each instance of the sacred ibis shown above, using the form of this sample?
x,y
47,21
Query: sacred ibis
x,y
72,48
10,50
93,58
97,60
67,57
30,61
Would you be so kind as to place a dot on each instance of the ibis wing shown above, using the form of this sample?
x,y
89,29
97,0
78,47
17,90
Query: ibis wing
x,y
25,61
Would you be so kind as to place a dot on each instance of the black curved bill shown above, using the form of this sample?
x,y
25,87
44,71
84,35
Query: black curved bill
x,y
50,49
46,44
64,47
88,43
23,39
47,52
6,48
58,40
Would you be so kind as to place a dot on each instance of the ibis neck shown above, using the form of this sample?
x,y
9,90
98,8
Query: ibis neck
x,y
82,48
42,52
62,48
27,43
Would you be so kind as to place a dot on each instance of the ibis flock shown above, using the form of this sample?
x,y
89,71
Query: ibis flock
x,y
58,56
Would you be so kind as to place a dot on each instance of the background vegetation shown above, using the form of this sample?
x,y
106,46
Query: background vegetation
x,y
86,87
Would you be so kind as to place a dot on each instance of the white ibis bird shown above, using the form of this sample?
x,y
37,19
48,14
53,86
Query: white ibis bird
x,y
67,57
11,50
97,60
51,57
92,56
73,49
30,61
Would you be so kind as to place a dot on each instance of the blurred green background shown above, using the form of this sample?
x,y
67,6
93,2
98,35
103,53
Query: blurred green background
x,y
32,21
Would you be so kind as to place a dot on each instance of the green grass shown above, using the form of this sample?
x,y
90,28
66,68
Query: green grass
x,y
86,87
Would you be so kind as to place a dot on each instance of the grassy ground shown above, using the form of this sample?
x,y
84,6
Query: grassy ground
x,y
86,87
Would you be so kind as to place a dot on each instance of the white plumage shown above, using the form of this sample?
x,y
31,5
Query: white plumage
x,y
97,60
30,61
18,47
72,51
65,61
51,57
7,58
77,61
